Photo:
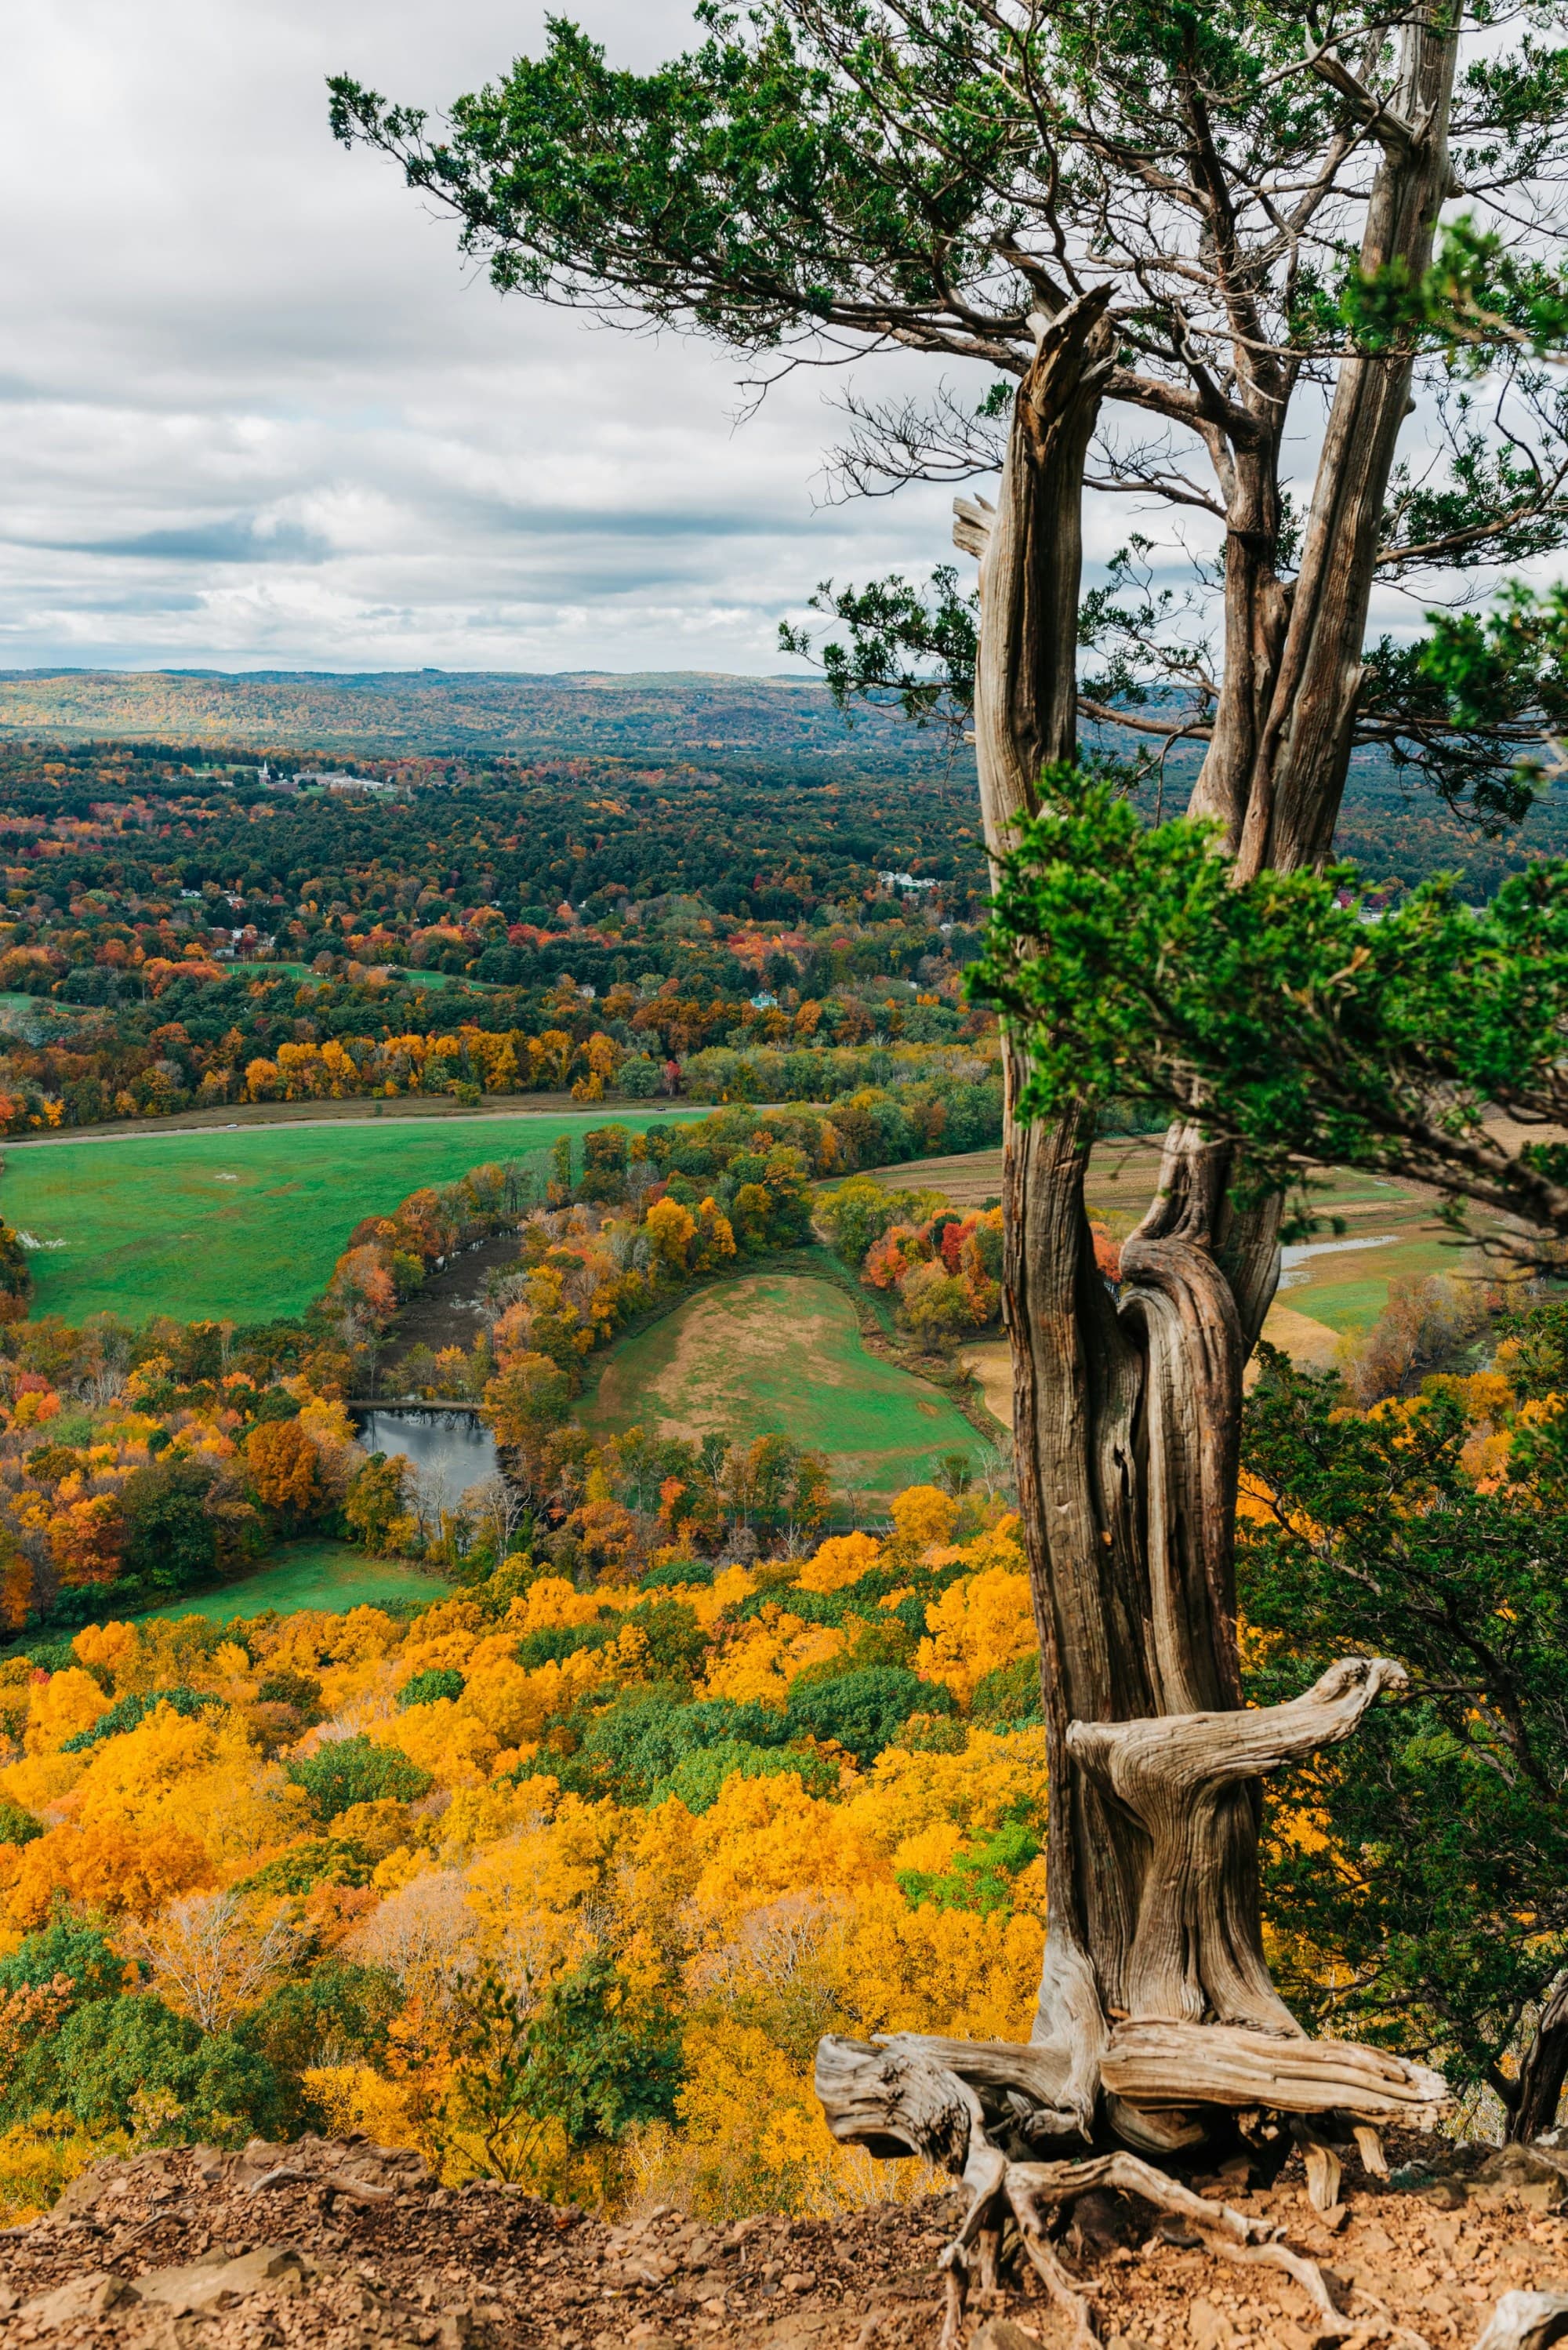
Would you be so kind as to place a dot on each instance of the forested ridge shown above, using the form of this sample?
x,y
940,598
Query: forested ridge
x,y
440,931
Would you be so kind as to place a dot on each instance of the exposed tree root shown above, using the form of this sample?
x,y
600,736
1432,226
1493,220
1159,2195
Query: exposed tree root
x,y
896,2098
1201,2052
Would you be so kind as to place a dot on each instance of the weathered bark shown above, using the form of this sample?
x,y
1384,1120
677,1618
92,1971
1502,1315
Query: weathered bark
x,y
1298,776
1126,1411
1256,614
1031,550
1526,2321
1543,2073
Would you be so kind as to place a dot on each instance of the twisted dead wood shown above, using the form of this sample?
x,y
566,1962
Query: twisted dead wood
x,y
896,2098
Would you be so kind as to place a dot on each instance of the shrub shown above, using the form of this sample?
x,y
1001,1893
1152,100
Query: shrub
x,y
431,1686
352,1771
864,1711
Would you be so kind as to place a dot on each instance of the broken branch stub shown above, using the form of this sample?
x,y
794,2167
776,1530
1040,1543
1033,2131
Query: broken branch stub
x,y
1150,2062
1176,1774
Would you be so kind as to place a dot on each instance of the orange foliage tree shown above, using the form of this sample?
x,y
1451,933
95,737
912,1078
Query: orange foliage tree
x,y
284,1469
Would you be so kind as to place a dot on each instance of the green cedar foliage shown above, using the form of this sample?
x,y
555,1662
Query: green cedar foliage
x,y
1276,1014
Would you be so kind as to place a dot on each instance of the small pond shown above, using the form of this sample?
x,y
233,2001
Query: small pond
x,y
448,1446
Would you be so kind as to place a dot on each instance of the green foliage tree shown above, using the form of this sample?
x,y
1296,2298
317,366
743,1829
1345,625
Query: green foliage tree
x,y
127,1712
130,2062
16,1276
337,2011
429,1687
377,1500
582,2055
172,1531
81,1953
1429,1900
18,1825
697,1779
526,1402
352,1770
677,1643
864,1711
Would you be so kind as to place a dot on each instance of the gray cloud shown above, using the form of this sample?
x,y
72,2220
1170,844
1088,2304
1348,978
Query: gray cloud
x,y
239,539
258,414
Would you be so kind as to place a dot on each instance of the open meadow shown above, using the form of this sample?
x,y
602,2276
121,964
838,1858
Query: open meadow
x,y
244,1224
328,1576
780,1354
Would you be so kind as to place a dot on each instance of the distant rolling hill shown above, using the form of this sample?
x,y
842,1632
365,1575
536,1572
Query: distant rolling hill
x,y
464,712
739,726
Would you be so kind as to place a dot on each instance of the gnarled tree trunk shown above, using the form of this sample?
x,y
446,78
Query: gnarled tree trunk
x,y
1126,1422
1157,2021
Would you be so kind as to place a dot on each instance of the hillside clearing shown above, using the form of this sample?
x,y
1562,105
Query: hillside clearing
x,y
780,1354
327,1576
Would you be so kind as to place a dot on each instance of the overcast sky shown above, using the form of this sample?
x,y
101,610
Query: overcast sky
x,y
258,414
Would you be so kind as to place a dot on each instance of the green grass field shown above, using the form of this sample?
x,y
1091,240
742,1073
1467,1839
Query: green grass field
x,y
246,1223
327,1576
780,1354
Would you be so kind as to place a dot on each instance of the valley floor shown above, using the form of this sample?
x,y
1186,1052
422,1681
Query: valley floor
x,y
780,1352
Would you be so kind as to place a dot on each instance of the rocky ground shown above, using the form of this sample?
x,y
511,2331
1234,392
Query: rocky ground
x,y
343,2244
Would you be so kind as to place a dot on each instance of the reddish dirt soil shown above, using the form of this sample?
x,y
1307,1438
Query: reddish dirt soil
x,y
344,2244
